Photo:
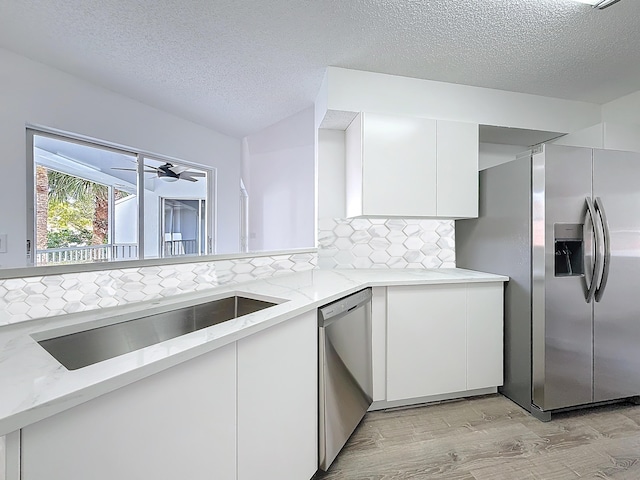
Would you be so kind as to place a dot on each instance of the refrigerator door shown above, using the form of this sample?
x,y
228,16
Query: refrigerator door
x,y
562,254
616,188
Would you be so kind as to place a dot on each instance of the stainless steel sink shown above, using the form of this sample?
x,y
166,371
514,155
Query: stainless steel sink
x,y
84,348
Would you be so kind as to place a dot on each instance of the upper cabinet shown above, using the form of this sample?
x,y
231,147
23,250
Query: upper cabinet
x,y
411,167
457,163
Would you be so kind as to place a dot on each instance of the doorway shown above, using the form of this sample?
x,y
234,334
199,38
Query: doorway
x,y
184,227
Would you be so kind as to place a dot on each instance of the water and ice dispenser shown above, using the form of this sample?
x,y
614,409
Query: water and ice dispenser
x,y
569,249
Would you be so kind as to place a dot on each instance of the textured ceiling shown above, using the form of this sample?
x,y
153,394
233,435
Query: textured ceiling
x,y
238,66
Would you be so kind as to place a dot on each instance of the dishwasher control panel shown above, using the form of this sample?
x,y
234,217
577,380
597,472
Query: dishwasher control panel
x,y
344,305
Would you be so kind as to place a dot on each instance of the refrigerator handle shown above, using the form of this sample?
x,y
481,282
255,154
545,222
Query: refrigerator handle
x,y
607,249
591,214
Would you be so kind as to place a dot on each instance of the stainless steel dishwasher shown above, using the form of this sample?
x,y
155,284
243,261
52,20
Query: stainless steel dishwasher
x,y
345,375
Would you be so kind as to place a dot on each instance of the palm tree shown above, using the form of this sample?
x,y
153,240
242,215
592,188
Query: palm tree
x,y
42,206
67,188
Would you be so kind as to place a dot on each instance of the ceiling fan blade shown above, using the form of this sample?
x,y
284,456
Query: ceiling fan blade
x,y
184,176
196,174
178,169
133,170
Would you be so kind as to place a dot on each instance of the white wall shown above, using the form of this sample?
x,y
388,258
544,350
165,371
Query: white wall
x,y
34,94
125,224
608,135
619,128
591,137
322,101
622,136
624,110
356,91
331,174
491,154
279,174
621,118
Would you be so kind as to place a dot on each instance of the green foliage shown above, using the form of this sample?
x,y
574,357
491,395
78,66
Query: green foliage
x,y
67,238
75,216
67,188
120,194
73,211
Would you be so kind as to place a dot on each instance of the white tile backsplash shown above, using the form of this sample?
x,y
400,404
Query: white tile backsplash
x,y
342,243
386,243
24,299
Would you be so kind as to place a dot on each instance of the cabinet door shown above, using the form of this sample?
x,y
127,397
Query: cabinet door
x,y
398,165
179,423
457,169
3,458
379,342
484,335
426,341
278,402
353,167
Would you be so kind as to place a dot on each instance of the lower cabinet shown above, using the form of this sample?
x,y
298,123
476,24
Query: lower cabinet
x,y
244,411
278,402
443,339
3,458
179,423
485,334
248,411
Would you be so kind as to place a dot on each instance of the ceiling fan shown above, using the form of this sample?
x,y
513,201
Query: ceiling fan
x,y
169,172
599,4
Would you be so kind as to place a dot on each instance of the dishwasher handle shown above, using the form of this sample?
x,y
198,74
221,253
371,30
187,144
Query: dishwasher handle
x,y
338,309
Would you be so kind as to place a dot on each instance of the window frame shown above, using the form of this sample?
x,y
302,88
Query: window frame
x,y
141,156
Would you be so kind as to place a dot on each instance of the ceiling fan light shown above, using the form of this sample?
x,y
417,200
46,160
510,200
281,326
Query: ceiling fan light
x,y
168,179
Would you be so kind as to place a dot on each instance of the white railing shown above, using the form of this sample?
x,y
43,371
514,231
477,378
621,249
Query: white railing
x,y
180,247
87,254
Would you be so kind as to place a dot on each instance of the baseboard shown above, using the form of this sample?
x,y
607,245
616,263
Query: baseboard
x,y
383,404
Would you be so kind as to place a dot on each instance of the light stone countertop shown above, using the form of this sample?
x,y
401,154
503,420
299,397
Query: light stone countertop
x,y
34,385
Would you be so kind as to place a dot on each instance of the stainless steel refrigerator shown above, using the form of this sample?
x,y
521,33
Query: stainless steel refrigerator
x,y
564,224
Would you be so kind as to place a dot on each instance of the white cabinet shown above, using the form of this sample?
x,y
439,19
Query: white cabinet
x,y
391,166
179,423
443,339
3,459
412,167
485,333
379,342
425,341
245,411
278,401
10,456
457,177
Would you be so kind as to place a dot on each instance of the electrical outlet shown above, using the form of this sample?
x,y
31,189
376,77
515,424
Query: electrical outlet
x,y
3,243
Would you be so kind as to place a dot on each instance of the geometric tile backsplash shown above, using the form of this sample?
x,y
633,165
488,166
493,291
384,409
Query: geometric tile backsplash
x,y
342,243
385,243
26,298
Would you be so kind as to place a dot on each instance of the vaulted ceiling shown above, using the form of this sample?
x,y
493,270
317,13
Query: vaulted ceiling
x,y
238,66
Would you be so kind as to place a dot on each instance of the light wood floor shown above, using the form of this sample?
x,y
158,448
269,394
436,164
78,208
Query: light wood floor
x,y
491,438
